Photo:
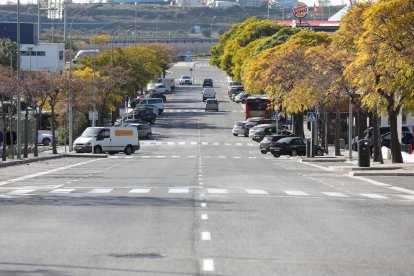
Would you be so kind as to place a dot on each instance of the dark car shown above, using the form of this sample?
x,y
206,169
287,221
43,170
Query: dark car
x,y
267,129
207,83
268,141
156,95
146,115
253,121
292,146
407,138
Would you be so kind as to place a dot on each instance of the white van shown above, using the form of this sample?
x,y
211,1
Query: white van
x,y
208,93
158,102
108,139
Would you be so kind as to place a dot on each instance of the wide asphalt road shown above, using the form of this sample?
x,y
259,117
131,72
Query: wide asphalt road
x,y
195,200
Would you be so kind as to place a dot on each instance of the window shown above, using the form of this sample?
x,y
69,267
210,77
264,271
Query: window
x,y
106,133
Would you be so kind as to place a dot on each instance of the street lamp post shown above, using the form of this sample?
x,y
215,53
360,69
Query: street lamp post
x,y
18,127
70,92
211,29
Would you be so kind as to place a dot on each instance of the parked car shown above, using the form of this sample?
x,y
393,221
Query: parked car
x,y
212,104
44,139
146,115
239,128
407,138
233,95
269,140
292,146
258,132
207,83
156,95
253,121
160,88
154,108
185,80
144,129
241,97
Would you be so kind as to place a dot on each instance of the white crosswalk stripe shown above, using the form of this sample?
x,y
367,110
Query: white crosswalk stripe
x,y
374,196
21,192
296,193
178,191
217,191
256,192
139,191
411,197
62,191
334,194
100,191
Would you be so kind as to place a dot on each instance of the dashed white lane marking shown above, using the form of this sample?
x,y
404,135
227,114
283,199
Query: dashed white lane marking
x,y
205,236
236,157
296,193
374,196
181,143
407,196
334,194
46,172
61,191
178,191
175,156
204,216
256,192
217,191
139,191
193,143
222,157
204,143
216,144
170,143
203,205
20,192
160,156
191,156
100,191
252,157
239,144
208,265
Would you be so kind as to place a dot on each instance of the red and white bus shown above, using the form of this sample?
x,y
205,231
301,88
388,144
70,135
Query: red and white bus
x,y
258,106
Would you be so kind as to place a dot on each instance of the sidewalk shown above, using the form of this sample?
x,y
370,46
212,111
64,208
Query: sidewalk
x,y
45,153
342,164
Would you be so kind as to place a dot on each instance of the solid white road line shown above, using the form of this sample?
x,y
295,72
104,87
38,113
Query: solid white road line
x,y
217,191
203,205
256,192
374,196
204,216
296,193
61,191
205,236
100,191
178,191
208,265
404,190
139,191
334,194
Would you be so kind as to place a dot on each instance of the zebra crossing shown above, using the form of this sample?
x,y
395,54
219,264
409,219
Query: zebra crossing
x,y
6,193
268,157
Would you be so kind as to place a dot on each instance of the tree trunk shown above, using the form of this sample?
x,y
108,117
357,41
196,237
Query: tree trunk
x,y
376,136
395,143
26,133
54,150
362,123
4,153
322,114
337,127
298,125
36,152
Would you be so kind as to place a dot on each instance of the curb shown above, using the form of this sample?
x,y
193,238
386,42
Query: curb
x,y
382,173
324,159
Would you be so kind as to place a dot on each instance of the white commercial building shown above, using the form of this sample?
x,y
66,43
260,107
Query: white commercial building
x,y
43,57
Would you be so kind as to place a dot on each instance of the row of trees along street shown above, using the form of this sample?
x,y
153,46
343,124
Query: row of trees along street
x,y
104,81
369,60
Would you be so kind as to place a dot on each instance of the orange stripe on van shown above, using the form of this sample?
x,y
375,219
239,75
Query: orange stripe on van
x,y
124,132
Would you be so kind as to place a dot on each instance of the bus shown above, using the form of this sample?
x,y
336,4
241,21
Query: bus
x,y
258,106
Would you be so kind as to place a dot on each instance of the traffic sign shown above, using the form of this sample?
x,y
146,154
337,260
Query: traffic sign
x,y
311,117
276,115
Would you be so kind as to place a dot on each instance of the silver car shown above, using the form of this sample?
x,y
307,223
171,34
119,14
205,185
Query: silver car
x,y
144,130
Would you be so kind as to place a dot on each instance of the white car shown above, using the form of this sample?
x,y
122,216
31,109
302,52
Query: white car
x,y
44,139
185,80
160,88
239,128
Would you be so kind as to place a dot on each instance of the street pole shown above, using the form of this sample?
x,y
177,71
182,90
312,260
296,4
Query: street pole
x,y
211,29
18,127
350,124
